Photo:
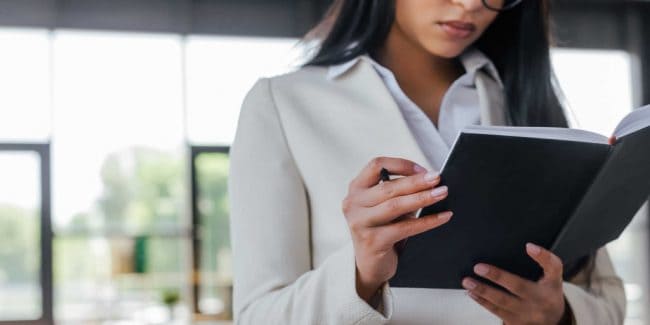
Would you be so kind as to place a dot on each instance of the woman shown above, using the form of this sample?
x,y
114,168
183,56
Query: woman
x,y
392,83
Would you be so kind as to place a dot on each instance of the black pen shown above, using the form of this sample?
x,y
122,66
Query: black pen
x,y
384,175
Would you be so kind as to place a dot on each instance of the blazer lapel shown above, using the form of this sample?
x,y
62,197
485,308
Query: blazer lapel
x,y
398,140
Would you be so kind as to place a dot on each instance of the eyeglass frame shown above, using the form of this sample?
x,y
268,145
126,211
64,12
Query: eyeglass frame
x,y
508,7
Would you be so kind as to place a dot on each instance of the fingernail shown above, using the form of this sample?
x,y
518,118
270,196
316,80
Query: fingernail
x,y
469,284
419,169
439,191
430,176
445,215
532,248
481,269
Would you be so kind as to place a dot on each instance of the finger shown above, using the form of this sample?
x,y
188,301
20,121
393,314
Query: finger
x,y
369,175
550,263
515,284
499,298
612,139
503,314
413,226
391,209
397,187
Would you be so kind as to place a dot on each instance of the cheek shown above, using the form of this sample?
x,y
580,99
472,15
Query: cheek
x,y
485,21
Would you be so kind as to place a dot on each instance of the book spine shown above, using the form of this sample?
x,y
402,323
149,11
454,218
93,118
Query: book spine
x,y
571,220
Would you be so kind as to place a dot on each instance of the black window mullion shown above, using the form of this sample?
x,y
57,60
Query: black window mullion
x,y
195,152
43,151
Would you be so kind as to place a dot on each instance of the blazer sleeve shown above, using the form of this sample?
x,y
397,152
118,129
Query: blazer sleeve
x,y
274,282
597,297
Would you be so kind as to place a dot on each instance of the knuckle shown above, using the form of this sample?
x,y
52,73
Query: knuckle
x,y
352,185
491,307
423,197
494,274
346,206
517,287
355,226
557,261
417,180
367,238
408,228
393,205
376,163
501,300
386,189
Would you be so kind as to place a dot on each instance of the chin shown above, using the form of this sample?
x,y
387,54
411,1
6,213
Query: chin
x,y
447,51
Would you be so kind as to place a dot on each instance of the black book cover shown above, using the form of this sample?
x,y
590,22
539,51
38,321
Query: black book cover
x,y
506,191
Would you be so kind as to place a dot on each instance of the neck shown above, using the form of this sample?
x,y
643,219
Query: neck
x,y
423,77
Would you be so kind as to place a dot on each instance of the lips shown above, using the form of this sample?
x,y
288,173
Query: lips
x,y
457,29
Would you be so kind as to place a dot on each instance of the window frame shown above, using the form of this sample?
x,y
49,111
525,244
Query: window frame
x,y
43,152
195,152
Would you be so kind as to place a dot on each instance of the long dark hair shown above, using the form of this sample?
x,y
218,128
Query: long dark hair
x,y
517,42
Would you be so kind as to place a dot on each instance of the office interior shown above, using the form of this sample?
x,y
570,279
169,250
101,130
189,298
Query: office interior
x,y
116,119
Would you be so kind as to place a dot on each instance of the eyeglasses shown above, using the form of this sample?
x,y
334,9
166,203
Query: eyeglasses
x,y
500,5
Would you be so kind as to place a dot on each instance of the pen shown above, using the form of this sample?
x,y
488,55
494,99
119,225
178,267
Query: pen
x,y
384,175
399,246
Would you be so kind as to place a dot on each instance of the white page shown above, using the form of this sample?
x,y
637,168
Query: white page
x,y
538,133
634,121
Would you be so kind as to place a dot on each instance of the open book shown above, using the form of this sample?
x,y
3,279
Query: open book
x,y
568,190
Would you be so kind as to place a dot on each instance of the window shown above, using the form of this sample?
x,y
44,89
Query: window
x,y
139,127
220,70
25,123
25,253
25,113
123,112
122,234
211,218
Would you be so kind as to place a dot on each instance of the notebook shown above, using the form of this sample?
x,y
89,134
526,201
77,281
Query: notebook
x,y
567,190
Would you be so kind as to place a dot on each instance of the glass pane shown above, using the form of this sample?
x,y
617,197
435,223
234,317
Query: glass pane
x,y
119,177
118,151
216,270
20,257
25,83
138,279
599,101
220,70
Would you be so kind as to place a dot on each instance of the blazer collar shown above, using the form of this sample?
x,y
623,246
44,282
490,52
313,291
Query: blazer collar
x,y
472,59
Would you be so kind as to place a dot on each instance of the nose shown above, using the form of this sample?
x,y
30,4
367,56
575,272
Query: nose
x,y
469,5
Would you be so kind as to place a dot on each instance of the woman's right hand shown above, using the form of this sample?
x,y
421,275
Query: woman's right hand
x,y
373,210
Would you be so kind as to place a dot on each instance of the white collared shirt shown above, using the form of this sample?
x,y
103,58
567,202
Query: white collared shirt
x,y
459,106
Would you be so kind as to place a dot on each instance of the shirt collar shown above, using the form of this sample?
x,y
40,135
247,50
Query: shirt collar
x,y
472,60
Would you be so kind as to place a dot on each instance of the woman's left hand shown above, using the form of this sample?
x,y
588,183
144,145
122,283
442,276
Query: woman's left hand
x,y
528,302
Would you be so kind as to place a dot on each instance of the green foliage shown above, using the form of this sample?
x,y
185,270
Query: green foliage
x,y
170,297
19,244
143,191
212,173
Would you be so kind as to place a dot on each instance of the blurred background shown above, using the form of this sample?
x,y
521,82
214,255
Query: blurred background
x,y
115,122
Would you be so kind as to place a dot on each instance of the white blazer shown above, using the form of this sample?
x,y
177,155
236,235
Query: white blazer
x,y
300,140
